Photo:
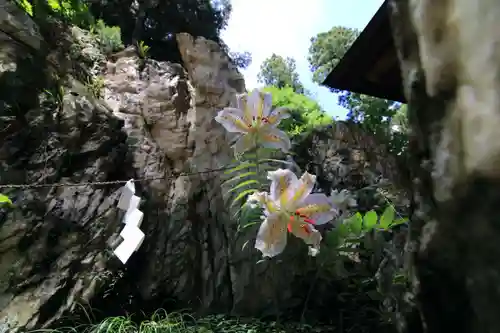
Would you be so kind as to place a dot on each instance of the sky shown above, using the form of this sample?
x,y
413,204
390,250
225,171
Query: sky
x,y
285,27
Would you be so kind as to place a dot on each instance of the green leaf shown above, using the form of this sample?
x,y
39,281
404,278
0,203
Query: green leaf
x,y
272,160
332,238
249,224
370,220
387,217
240,176
243,184
355,223
245,245
242,165
349,249
397,222
4,200
342,230
399,279
242,195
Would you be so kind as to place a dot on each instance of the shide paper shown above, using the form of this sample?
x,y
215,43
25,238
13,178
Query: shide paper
x,y
131,234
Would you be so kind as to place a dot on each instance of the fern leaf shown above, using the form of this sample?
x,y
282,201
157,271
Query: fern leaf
x,y
240,176
243,195
241,166
243,184
247,225
273,160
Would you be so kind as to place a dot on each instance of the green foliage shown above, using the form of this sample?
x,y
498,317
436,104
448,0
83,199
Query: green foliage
x,y
353,229
326,50
4,200
163,322
26,6
280,72
241,59
376,116
157,22
306,113
55,95
95,86
399,130
142,49
74,12
249,175
109,38
373,114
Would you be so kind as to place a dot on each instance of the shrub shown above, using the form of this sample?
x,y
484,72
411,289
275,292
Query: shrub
x,y
110,38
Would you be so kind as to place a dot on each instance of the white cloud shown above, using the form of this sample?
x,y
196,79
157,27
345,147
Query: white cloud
x,y
264,27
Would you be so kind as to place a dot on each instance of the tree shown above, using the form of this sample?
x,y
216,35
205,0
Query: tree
x,y
241,59
453,248
156,23
280,72
306,113
373,114
326,50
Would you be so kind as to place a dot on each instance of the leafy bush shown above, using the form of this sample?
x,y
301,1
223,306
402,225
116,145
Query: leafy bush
x,y
306,113
73,12
110,38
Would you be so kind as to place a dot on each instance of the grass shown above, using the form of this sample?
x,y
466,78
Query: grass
x,y
163,322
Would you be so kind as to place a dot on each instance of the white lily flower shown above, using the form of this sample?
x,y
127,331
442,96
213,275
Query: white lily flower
x,y
290,206
257,123
343,199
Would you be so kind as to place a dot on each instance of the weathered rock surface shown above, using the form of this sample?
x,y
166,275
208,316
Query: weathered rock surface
x,y
56,244
451,79
154,124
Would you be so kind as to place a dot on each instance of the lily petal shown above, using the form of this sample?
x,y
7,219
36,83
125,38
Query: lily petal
x,y
302,189
267,104
281,180
271,137
244,143
232,120
260,104
307,233
272,237
277,115
318,207
242,104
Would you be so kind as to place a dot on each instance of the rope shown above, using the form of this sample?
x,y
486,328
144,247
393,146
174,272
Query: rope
x,y
113,182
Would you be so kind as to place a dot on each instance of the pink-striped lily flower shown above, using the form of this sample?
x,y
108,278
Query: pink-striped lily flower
x,y
290,206
256,121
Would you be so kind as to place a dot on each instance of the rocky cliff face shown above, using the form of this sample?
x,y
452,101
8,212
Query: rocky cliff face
x,y
153,123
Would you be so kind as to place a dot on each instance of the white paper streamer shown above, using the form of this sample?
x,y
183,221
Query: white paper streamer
x,y
133,217
128,191
131,234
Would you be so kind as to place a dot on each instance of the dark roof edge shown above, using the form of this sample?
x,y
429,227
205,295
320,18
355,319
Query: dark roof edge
x,y
356,50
